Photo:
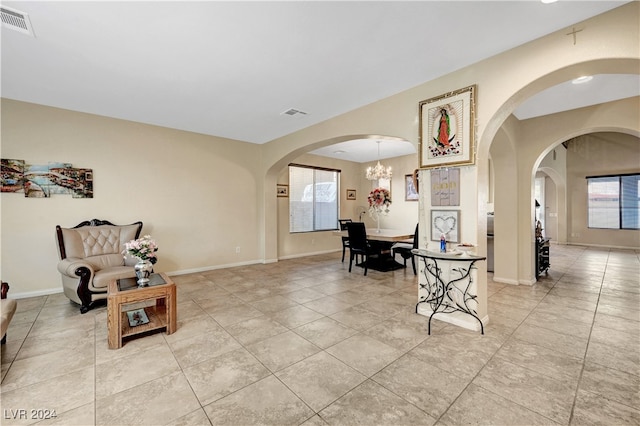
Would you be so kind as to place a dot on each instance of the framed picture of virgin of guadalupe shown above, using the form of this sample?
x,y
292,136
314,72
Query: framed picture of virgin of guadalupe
x,y
447,132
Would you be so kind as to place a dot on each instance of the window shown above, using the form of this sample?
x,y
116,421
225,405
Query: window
x,y
313,198
614,201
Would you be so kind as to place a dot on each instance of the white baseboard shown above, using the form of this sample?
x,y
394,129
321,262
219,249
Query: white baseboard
x,y
295,256
27,294
505,280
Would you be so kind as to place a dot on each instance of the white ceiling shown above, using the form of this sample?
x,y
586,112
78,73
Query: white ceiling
x,y
230,69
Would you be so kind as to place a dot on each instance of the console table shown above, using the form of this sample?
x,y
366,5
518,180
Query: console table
x,y
448,279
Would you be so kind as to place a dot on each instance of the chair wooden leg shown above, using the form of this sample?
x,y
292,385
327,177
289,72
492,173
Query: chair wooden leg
x,y
343,250
413,263
350,259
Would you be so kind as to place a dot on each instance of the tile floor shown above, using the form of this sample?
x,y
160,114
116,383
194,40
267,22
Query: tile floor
x,y
303,341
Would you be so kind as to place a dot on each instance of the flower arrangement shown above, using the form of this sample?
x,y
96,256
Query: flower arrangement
x,y
144,248
379,200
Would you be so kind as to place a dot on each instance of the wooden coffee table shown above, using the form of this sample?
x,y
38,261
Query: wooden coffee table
x,y
125,296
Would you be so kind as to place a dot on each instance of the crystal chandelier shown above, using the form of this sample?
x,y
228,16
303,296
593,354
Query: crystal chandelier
x,y
378,171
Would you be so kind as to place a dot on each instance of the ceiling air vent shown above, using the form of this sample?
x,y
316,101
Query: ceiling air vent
x,y
16,20
293,111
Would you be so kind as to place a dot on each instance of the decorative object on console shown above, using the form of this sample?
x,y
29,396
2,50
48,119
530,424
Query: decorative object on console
x,y
379,201
447,134
144,249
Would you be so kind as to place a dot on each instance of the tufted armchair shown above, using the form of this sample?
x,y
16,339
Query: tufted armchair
x,y
91,257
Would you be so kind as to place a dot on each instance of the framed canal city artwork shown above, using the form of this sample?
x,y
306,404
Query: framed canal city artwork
x,y
447,134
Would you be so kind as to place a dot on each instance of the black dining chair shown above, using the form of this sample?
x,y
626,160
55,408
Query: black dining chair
x,y
404,250
345,240
358,244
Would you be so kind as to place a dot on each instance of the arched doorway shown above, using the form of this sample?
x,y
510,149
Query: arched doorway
x,y
277,238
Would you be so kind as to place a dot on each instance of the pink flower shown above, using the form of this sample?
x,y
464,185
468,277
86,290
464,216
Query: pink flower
x,y
144,248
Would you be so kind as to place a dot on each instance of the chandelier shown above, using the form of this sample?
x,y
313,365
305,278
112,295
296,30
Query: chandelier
x,y
378,171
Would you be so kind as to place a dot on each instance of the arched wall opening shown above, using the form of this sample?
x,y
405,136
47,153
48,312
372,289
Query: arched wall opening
x,y
318,242
534,139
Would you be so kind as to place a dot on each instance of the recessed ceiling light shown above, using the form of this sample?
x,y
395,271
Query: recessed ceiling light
x,y
339,151
548,1
582,79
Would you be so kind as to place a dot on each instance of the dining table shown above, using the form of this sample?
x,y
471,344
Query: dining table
x,y
383,239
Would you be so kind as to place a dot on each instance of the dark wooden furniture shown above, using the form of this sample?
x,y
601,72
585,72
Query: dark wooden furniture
x,y
7,309
542,256
345,240
404,250
358,244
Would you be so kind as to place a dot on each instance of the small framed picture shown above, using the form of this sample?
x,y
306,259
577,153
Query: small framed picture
x,y
351,194
410,191
282,190
445,222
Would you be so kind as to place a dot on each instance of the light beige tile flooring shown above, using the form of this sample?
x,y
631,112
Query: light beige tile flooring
x,y
303,341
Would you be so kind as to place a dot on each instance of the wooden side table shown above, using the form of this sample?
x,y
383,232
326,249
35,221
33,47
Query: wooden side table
x,y
124,293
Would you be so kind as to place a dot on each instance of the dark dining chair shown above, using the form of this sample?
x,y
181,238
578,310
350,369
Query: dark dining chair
x,y
404,250
345,240
358,244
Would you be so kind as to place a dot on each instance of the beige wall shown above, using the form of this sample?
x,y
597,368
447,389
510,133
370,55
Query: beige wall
x,y
403,216
599,154
195,194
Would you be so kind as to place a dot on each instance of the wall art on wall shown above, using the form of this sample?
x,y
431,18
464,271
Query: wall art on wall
x,y
282,190
12,175
447,134
410,190
445,187
45,180
351,194
445,222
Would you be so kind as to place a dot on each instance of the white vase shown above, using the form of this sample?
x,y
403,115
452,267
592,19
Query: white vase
x,y
143,270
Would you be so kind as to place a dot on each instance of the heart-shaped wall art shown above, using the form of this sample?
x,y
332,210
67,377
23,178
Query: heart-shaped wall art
x,y
445,224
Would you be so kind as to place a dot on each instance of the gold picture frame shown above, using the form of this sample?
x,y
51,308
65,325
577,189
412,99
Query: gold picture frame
x,y
351,194
447,129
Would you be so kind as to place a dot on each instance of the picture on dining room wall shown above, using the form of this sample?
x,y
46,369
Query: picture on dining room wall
x,y
445,222
447,135
351,194
410,191
282,190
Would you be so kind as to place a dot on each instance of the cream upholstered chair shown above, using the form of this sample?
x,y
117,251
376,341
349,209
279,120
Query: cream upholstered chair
x,y
91,257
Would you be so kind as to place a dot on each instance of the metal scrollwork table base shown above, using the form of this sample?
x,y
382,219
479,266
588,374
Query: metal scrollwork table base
x,y
448,280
